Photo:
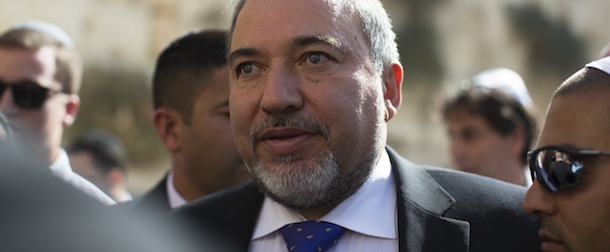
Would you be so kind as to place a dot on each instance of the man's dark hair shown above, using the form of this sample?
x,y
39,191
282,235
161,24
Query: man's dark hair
x,y
501,111
106,149
177,80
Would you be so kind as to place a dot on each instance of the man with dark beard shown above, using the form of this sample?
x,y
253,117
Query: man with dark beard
x,y
312,87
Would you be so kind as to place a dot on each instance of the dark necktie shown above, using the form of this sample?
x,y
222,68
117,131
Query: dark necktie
x,y
311,236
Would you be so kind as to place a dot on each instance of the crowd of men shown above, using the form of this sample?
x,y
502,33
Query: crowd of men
x,y
276,131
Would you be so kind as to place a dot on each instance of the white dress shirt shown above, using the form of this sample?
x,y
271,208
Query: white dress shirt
x,y
126,196
369,216
62,169
174,198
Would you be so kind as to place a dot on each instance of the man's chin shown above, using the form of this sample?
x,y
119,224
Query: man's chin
x,y
296,183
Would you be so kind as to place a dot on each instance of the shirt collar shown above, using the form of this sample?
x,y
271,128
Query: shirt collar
x,y
61,166
174,198
370,211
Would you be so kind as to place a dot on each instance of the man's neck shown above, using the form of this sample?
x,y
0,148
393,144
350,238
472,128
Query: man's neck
x,y
184,186
43,154
53,154
314,213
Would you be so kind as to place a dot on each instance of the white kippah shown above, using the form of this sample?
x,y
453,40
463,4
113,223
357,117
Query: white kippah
x,y
47,28
505,80
602,64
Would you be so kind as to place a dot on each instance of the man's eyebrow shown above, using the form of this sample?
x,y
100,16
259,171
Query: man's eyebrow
x,y
301,41
317,39
241,52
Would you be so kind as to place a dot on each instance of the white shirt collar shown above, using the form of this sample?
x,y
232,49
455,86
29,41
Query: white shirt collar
x,y
174,198
61,166
370,211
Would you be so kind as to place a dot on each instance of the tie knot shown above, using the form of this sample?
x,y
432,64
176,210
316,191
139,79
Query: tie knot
x,y
311,236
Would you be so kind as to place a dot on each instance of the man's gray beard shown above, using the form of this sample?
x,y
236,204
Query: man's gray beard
x,y
313,184
306,185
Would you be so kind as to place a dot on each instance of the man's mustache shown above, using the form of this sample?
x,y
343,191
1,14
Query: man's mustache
x,y
286,121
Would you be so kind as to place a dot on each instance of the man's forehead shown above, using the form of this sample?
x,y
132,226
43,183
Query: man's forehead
x,y
20,63
581,120
295,24
39,53
463,112
279,15
334,5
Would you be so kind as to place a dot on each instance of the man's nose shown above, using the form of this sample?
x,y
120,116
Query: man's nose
x,y
539,201
282,90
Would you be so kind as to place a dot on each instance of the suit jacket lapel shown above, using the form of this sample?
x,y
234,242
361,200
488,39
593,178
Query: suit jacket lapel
x,y
421,204
154,201
227,217
245,210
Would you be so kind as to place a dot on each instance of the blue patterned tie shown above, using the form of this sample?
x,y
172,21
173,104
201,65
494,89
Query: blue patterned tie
x,y
311,236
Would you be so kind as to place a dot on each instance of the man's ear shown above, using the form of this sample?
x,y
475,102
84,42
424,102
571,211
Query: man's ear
x,y
392,89
71,110
169,124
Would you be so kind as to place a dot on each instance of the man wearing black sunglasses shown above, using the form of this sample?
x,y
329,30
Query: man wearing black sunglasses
x,y
39,81
571,166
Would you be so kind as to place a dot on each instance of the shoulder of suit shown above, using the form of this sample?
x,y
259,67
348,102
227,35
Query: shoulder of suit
x,y
242,194
226,217
468,188
474,181
85,185
153,201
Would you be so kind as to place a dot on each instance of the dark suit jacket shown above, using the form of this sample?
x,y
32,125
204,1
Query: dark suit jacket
x,y
152,202
438,210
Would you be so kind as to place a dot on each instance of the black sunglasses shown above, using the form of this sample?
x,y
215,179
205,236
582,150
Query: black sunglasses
x,y
558,166
27,94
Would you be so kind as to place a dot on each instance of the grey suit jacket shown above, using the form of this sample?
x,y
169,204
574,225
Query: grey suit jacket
x,y
438,210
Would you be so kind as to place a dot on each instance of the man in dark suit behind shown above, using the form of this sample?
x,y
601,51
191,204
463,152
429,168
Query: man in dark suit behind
x,y
190,95
312,87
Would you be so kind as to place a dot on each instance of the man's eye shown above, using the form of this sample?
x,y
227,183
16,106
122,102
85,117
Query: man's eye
x,y
245,68
469,135
317,58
